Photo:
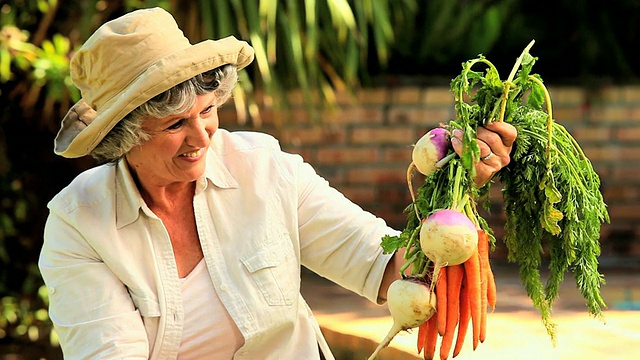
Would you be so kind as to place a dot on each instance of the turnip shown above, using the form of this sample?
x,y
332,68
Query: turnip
x,y
429,153
430,149
411,304
448,237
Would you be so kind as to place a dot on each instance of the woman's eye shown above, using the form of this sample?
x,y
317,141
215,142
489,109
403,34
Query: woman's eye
x,y
207,109
176,125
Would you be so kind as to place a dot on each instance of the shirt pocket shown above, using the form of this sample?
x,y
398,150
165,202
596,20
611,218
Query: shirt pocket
x,y
274,269
149,310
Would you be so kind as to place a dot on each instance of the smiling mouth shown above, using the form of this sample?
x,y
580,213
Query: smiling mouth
x,y
193,154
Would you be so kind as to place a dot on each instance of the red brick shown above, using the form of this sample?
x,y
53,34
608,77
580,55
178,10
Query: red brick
x,y
631,93
432,117
617,193
347,155
345,98
602,171
374,96
375,175
628,134
629,153
609,94
591,133
314,135
406,95
438,96
404,115
359,194
381,135
335,135
397,155
624,212
567,96
602,153
393,195
266,117
563,114
356,115
626,173
614,114
286,118
298,137
297,97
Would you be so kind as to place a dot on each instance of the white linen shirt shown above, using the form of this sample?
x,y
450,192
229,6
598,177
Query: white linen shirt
x,y
261,213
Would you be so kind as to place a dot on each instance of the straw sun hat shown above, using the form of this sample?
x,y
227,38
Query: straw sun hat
x,y
128,61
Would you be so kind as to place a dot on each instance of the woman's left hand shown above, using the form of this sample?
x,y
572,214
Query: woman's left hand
x,y
495,140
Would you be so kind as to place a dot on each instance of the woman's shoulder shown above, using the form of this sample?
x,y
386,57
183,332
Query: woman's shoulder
x,y
89,187
257,150
232,141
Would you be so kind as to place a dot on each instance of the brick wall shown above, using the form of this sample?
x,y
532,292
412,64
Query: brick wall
x,y
364,147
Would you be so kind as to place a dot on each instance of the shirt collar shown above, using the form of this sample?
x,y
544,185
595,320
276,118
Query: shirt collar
x,y
217,172
129,201
128,198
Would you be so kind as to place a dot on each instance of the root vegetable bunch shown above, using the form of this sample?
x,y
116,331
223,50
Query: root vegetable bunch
x,y
553,207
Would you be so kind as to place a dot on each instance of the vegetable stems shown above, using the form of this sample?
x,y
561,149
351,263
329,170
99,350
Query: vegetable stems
x,y
509,81
547,99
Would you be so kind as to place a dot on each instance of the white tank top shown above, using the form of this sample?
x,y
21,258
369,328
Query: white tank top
x,y
209,332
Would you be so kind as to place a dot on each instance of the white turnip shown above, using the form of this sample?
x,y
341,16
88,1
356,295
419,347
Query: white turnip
x,y
430,149
429,154
411,304
448,237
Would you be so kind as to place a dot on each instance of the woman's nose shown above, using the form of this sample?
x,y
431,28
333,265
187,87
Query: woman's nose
x,y
202,131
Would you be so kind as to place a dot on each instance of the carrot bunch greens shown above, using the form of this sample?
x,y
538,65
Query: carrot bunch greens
x,y
553,204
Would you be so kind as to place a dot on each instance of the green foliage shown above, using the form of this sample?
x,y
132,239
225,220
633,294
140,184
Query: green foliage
x,y
36,64
27,318
441,31
317,46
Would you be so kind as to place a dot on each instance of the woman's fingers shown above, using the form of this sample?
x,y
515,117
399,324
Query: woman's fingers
x,y
456,141
507,132
495,141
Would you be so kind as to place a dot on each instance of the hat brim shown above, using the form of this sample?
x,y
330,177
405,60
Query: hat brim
x,y
161,76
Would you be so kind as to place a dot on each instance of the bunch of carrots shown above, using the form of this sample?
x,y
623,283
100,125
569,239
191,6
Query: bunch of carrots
x,y
464,293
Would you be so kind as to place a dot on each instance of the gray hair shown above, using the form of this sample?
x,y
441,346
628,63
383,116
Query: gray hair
x,y
128,132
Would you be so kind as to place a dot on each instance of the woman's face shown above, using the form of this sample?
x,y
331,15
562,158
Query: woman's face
x,y
176,152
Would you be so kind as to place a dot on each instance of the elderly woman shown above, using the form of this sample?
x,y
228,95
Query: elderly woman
x,y
188,241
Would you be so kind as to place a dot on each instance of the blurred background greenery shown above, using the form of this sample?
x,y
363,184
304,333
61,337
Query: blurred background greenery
x,y
318,47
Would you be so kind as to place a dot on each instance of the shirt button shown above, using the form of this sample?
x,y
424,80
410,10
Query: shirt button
x,y
52,290
224,287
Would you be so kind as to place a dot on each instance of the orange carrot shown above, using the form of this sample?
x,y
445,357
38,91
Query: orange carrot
x,y
441,300
455,274
422,336
431,339
472,272
465,317
487,273
483,310
492,292
483,253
